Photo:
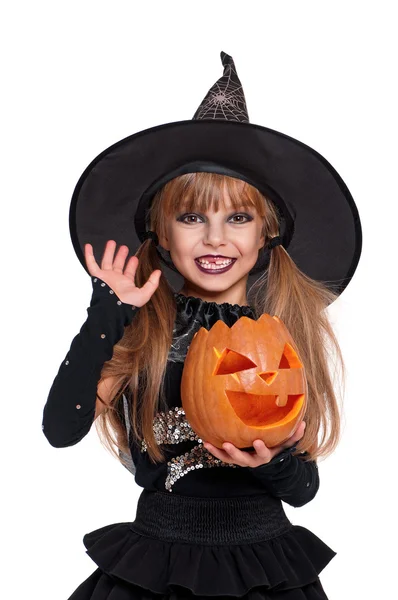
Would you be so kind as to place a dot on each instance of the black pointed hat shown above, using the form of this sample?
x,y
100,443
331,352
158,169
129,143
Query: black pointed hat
x,y
318,219
225,100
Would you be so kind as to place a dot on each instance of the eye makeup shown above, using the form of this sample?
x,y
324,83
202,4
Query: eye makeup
x,y
247,216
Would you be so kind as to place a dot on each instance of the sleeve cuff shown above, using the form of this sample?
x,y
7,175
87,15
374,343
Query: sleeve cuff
x,y
103,293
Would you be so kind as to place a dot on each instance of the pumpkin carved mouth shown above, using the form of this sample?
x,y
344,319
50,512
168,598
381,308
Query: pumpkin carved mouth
x,y
257,410
261,409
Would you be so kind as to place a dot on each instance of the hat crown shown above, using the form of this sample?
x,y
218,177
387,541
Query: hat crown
x,y
225,100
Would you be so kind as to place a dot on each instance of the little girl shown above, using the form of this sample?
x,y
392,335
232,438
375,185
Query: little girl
x,y
218,201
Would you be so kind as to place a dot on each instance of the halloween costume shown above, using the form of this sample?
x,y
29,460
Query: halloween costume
x,y
203,528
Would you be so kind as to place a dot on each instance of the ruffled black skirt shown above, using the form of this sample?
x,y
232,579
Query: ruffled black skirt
x,y
181,547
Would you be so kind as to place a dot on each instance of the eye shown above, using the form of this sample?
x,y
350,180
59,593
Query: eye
x,y
183,218
247,217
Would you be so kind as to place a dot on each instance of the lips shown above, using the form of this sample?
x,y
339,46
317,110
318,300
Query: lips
x,y
210,257
216,271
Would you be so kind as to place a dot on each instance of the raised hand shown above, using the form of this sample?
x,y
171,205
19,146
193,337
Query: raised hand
x,y
119,277
262,454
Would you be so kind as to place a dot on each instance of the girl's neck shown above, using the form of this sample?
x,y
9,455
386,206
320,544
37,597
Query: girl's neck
x,y
233,295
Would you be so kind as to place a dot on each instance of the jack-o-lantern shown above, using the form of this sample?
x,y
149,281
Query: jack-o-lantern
x,y
244,382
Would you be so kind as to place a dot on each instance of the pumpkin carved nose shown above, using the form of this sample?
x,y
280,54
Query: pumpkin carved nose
x,y
269,377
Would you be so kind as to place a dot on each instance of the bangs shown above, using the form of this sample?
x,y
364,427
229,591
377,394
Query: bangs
x,y
205,191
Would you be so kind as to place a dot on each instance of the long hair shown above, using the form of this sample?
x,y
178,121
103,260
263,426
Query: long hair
x,y
139,360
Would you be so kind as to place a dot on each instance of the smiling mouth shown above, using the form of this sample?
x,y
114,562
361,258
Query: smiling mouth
x,y
214,269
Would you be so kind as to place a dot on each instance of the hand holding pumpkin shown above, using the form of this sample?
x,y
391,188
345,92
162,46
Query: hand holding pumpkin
x,y
262,454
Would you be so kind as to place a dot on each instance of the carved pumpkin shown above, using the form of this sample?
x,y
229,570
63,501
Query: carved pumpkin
x,y
244,382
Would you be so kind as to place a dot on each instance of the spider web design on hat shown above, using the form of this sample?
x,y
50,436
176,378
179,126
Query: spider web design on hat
x,y
225,99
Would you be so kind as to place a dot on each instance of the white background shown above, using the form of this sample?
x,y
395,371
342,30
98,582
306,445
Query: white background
x,y
76,78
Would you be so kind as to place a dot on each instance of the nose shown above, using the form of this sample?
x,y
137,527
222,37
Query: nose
x,y
214,234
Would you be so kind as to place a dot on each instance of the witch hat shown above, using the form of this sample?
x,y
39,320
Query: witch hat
x,y
319,221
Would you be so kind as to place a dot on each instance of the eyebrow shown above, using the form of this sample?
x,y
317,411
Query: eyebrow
x,y
230,208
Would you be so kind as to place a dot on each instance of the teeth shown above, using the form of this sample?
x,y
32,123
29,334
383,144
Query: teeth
x,y
221,263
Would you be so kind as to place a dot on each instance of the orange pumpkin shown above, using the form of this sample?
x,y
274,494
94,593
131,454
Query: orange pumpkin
x,y
243,383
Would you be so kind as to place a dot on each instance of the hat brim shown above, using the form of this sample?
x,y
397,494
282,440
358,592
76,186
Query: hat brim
x,y
327,239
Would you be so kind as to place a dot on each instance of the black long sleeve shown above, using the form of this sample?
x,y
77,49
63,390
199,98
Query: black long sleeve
x,y
70,407
290,478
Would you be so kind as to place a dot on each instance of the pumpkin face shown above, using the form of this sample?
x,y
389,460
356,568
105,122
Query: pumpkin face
x,y
244,382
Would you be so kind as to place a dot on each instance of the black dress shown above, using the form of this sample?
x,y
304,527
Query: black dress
x,y
203,528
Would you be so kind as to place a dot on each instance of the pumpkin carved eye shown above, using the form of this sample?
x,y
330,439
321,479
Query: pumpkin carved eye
x,y
231,362
289,359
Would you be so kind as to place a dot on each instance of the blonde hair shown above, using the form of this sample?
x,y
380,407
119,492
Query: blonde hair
x,y
140,358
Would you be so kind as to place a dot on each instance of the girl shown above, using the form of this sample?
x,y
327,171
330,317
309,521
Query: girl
x,y
218,201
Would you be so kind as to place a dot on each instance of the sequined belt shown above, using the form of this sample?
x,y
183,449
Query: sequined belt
x,y
237,520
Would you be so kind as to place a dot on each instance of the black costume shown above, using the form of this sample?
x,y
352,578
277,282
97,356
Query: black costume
x,y
203,528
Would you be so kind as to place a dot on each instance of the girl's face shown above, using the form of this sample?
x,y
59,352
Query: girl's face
x,y
231,233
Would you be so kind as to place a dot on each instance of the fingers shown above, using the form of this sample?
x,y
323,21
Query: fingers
x,y
107,258
91,263
121,255
109,263
263,452
131,267
151,285
224,455
232,454
298,434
